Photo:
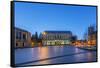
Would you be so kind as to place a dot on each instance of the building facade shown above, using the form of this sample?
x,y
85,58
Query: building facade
x,y
22,38
56,37
92,36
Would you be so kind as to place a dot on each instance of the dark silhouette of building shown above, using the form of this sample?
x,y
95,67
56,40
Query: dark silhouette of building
x,y
35,37
74,39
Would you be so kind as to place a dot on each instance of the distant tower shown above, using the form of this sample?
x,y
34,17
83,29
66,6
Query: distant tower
x,y
36,35
90,30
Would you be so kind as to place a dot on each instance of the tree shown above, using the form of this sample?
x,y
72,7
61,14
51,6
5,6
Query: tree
x,y
74,38
33,37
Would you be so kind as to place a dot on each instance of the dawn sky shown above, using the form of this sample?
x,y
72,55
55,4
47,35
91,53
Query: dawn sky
x,y
35,17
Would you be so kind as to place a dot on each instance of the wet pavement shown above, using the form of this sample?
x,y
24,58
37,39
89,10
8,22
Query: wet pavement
x,y
52,55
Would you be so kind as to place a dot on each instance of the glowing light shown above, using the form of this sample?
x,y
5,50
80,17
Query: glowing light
x,y
33,43
44,33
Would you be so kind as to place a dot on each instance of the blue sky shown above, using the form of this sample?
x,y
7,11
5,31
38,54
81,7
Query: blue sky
x,y
35,17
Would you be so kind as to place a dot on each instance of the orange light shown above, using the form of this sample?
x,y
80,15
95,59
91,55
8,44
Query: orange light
x,y
44,33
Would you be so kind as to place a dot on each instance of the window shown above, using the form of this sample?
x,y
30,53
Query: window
x,y
16,44
19,35
16,34
24,36
23,44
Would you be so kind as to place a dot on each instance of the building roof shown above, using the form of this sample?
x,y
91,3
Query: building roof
x,y
58,32
21,29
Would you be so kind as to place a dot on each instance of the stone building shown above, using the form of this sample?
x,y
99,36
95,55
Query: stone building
x,y
56,37
22,38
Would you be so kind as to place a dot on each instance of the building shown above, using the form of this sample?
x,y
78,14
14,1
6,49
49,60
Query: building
x,y
92,35
22,38
56,37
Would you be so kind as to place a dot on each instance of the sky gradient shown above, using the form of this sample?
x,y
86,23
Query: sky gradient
x,y
35,17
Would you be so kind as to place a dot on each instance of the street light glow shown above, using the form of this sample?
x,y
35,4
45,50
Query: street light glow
x,y
44,33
